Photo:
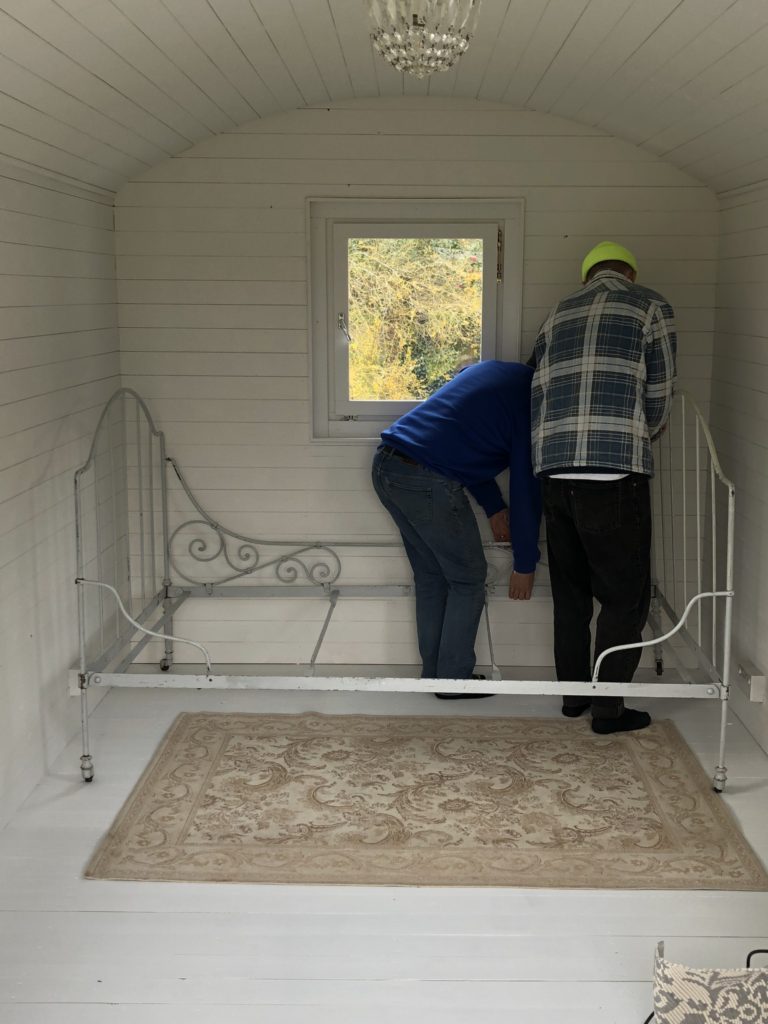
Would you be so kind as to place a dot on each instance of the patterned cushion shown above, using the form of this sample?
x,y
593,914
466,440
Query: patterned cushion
x,y
692,995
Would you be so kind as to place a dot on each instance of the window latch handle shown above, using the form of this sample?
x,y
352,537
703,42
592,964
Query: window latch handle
x,y
342,325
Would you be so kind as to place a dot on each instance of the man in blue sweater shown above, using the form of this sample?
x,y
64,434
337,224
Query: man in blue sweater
x,y
462,437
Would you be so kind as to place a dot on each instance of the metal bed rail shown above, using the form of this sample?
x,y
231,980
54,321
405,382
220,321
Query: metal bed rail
x,y
695,557
694,505
695,510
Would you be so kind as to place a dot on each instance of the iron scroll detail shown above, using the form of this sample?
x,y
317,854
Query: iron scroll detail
x,y
231,556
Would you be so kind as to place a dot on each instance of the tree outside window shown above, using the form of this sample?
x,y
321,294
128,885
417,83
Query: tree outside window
x,y
415,314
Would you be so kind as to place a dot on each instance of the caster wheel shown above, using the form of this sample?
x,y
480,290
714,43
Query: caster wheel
x,y
659,667
165,665
88,778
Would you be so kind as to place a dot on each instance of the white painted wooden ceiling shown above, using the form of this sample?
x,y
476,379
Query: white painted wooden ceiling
x,y
101,90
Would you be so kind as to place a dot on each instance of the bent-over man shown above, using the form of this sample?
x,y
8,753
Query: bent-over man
x,y
461,438
602,388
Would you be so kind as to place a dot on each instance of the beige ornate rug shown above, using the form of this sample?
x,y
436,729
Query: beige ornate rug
x,y
425,801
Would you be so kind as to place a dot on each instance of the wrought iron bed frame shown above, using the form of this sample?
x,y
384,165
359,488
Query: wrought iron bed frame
x,y
122,515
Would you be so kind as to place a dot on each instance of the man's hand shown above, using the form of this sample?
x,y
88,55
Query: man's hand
x,y
500,524
521,585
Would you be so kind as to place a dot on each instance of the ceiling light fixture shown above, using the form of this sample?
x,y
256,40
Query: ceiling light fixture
x,y
422,36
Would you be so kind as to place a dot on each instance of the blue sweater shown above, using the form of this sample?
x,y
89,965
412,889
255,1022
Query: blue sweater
x,y
473,428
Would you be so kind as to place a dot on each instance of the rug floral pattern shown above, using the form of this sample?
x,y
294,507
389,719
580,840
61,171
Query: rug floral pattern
x,y
420,800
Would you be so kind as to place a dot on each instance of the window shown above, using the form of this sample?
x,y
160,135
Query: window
x,y
404,293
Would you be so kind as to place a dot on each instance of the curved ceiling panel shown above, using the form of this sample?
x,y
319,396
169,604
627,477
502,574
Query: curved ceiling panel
x,y
99,91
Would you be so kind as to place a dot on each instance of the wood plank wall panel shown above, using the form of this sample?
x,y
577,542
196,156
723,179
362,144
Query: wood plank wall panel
x,y
740,419
59,360
212,283
99,91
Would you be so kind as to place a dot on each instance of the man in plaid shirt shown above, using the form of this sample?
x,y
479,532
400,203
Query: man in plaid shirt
x,y
602,388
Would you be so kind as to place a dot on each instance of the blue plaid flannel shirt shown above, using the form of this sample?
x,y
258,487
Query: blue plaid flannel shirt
x,y
604,378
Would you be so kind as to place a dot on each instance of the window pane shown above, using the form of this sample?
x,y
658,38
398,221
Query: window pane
x,y
415,314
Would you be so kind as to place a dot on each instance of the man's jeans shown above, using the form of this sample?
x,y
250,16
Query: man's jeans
x,y
443,545
599,545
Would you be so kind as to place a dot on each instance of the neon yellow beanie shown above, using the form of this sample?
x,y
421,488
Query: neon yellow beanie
x,y
606,251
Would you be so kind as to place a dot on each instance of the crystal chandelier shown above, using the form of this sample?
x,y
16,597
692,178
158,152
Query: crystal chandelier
x,y
423,36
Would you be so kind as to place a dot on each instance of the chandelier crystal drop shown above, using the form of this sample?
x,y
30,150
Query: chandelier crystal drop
x,y
422,36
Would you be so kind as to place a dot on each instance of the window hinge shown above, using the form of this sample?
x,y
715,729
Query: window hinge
x,y
500,256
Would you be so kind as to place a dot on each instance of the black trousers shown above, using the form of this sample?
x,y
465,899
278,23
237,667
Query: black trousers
x,y
599,546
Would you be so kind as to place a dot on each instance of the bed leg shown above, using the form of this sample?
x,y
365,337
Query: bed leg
x,y
721,774
654,619
166,661
86,761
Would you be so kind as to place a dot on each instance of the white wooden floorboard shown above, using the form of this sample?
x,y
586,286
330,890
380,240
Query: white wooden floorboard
x,y
104,1013
82,951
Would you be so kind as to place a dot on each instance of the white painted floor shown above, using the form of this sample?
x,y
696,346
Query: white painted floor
x,y
85,952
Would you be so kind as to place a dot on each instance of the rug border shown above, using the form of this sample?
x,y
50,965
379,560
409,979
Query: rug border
x,y
123,813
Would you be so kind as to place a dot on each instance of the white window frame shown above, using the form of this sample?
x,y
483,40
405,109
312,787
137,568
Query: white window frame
x,y
332,222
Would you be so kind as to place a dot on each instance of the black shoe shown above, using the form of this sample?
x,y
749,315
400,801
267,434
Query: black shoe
x,y
574,710
464,696
628,721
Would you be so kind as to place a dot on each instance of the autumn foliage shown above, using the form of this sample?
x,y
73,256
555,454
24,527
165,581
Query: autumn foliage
x,y
415,308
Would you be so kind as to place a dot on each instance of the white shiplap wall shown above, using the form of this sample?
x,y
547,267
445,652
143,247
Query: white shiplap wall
x,y
213,320
740,419
59,362
101,90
